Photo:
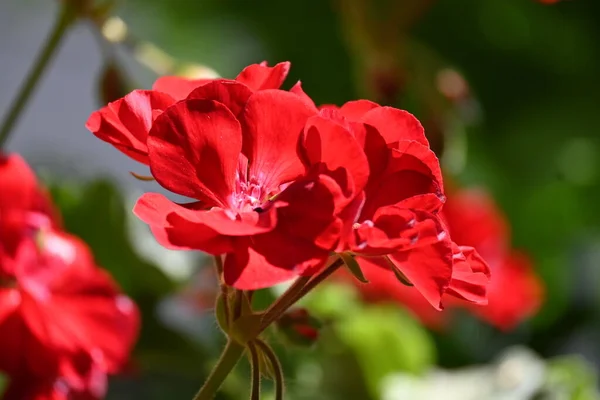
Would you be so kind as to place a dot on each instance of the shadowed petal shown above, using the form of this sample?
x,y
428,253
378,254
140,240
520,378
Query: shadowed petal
x,y
194,148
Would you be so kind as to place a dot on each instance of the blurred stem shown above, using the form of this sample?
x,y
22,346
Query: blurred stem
x,y
224,289
255,367
326,273
64,21
229,358
298,290
283,302
276,366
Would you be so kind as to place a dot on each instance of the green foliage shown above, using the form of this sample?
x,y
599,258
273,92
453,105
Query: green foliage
x,y
383,340
572,378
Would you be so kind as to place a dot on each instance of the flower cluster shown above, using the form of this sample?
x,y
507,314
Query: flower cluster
x,y
280,185
515,291
64,325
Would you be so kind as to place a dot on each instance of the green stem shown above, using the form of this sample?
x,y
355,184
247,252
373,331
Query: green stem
x,y
255,367
63,22
283,302
229,358
277,369
326,273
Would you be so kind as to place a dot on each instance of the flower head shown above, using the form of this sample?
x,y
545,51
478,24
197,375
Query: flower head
x,y
279,185
64,324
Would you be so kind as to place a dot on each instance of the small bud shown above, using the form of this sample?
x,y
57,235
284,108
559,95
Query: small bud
x,y
299,327
112,84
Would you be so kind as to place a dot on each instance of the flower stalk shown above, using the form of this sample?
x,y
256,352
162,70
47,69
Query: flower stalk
x,y
229,358
275,366
64,21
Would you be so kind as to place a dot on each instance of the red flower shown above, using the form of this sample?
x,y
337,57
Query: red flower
x,y
232,146
392,218
279,185
125,123
63,323
514,292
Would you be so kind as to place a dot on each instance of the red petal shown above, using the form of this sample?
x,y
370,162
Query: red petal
x,y
18,184
246,269
179,227
331,147
384,287
474,220
470,276
397,229
176,87
251,268
413,170
71,306
261,77
273,121
429,268
125,123
515,293
231,93
309,213
297,89
194,148
395,125
355,110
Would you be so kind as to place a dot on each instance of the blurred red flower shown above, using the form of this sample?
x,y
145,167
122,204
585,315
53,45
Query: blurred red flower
x,y
64,324
514,293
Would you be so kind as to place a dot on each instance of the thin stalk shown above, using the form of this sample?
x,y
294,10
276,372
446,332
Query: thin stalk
x,y
326,273
48,50
255,367
284,301
276,365
229,358
224,289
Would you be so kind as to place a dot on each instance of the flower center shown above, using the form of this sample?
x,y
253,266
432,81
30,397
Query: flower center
x,y
250,195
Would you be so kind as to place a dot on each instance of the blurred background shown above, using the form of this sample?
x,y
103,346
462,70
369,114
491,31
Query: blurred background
x,y
508,93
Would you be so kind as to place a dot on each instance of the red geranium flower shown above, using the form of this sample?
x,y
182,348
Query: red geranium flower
x,y
392,222
64,324
232,146
279,185
514,293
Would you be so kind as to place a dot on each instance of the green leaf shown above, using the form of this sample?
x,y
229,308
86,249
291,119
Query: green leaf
x,y
399,274
352,266
384,341
96,213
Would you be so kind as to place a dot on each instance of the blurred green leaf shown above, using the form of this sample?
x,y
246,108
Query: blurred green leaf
x,y
96,213
383,339
572,378
386,340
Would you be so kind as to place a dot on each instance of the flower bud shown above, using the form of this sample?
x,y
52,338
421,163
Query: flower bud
x,y
299,327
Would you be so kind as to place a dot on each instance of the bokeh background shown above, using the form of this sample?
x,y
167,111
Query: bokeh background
x,y
508,93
